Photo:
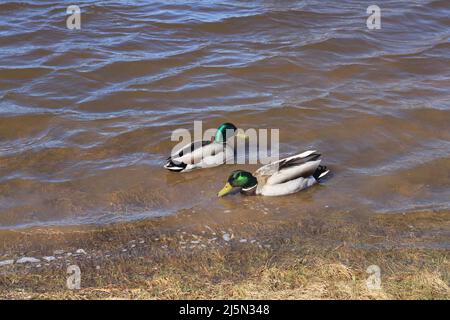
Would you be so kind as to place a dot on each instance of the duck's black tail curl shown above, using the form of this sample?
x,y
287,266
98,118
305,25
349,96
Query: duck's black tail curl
x,y
320,172
175,166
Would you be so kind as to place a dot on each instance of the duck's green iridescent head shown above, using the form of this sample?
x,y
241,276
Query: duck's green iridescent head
x,y
238,179
224,132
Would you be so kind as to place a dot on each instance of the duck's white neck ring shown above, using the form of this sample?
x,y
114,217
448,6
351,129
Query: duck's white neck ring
x,y
249,189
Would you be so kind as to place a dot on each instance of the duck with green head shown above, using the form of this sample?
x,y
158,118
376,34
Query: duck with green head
x,y
282,177
204,154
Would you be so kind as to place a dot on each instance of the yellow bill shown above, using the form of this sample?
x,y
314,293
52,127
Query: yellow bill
x,y
225,190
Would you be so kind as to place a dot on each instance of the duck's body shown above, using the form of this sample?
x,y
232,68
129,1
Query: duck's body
x,y
282,177
199,154
204,154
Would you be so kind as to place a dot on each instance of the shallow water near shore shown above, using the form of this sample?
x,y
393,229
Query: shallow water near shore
x,y
86,115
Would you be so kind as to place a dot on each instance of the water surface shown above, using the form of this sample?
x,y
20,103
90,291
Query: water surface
x,y
86,115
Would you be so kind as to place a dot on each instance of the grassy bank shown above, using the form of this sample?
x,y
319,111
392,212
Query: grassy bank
x,y
173,259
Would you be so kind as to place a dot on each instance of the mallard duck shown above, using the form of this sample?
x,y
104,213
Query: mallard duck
x,y
279,178
204,154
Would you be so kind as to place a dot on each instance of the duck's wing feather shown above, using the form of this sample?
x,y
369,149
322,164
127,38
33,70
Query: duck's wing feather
x,y
218,155
304,170
300,165
189,148
274,167
196,152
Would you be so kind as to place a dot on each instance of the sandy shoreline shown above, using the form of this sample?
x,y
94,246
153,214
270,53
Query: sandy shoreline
x,y
174,258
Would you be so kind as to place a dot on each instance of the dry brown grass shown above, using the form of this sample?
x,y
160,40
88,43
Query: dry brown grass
x,y
306,260
321,281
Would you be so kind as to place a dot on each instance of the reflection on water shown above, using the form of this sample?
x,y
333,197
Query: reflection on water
x,y
86,116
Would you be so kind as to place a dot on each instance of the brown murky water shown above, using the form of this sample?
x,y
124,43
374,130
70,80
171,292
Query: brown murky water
x,y
86,115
